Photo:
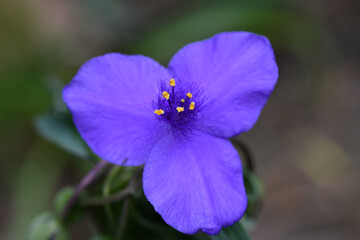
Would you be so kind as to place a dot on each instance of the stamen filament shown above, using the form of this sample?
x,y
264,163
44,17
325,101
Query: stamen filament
x,y
172,84
173,93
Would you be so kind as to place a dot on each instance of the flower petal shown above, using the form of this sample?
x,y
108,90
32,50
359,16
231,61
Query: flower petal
x,y
111,102
237,71
195,185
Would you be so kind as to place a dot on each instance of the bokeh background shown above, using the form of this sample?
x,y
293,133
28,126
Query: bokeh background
x,y
305,144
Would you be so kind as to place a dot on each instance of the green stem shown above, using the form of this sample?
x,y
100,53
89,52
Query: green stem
x,y
107,191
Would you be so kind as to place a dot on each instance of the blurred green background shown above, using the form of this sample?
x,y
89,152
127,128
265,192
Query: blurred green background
x,y
306,142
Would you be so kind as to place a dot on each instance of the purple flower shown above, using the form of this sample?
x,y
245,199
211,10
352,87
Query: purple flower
x,y
177,121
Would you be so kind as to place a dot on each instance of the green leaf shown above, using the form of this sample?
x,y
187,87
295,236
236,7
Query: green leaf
x,y
36,179
254,192
59,130
61,200
55,88
102,237
45,227
253,185
234,232
286,29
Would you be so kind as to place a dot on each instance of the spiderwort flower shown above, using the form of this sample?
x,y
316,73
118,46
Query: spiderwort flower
x,y
177,121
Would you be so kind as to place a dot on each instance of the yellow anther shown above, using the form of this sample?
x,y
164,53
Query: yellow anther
x,y
180,109
159,112
172,82
182,100
166,95
189,95
192,106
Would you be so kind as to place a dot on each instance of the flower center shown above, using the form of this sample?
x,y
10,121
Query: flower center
x,y
178,105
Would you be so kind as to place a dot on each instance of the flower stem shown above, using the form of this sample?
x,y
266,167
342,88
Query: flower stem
x,y
134,184
86,181
107,200
123,218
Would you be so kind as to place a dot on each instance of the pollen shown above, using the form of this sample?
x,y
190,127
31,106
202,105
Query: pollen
x,y
182,100
159,112
192,106
166,95
172,82
189,95
180,109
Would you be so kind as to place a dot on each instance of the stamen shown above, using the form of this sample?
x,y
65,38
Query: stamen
x,y
180,109
175,106
166,95
159,112
172,82
192,106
